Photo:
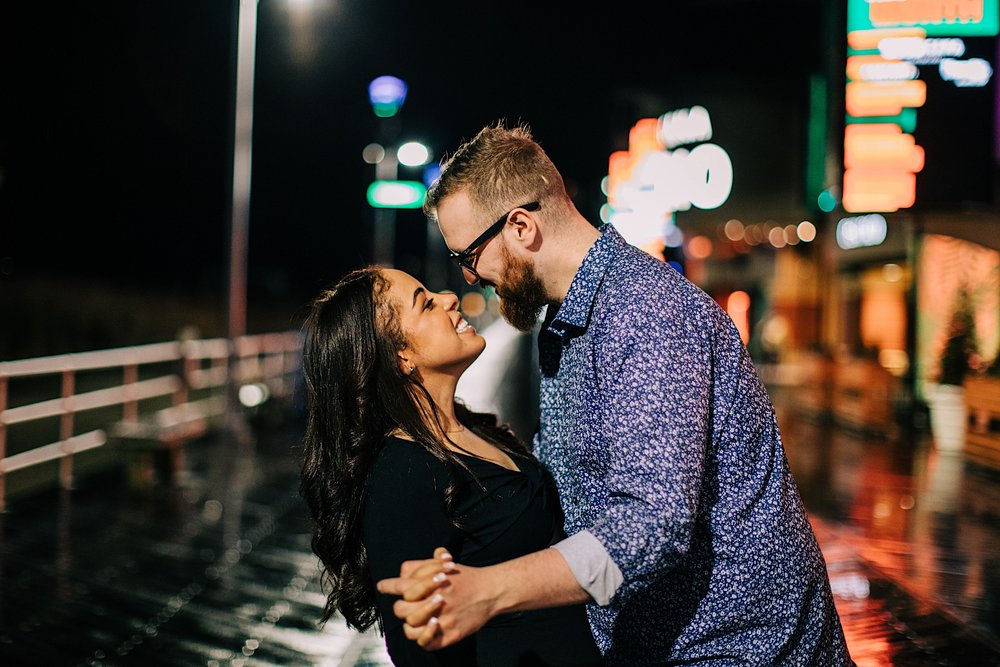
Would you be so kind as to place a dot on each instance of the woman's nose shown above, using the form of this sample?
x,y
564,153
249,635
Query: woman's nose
x,y
450,299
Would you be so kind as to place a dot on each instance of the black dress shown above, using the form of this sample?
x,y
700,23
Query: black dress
x,y
518,513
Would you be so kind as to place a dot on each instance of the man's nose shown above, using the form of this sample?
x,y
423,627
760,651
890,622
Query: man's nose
x,y
470,276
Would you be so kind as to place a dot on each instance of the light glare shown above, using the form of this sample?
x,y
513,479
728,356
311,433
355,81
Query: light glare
x,y
252,395
413,154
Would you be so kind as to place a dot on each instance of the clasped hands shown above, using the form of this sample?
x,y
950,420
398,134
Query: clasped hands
x,y
441,600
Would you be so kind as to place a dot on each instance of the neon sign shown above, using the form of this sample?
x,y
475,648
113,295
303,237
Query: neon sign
x,y
972,73
655,178
959,17
887,43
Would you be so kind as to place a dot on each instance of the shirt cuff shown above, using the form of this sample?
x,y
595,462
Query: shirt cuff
x,y
590,563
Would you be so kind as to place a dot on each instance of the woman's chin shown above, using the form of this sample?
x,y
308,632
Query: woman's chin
x,y
476,355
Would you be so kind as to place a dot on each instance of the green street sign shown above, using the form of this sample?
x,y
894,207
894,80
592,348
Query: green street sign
x,y
396,194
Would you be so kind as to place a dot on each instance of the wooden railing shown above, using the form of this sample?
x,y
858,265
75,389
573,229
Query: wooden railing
x,y
126,384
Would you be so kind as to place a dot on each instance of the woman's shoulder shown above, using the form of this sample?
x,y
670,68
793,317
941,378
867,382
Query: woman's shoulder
x,y
406,473
396,446
402,460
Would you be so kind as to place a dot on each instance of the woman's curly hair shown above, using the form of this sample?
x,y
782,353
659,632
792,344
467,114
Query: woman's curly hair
x,y
357,395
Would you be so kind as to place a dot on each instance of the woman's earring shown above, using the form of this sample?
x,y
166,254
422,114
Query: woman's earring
x,y
413,369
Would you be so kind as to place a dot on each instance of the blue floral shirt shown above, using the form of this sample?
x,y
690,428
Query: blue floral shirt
x,y
665,447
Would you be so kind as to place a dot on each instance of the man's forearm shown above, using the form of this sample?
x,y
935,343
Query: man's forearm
x,y
538,580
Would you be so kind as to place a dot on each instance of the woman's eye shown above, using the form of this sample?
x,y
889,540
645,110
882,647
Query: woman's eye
x,y
429,304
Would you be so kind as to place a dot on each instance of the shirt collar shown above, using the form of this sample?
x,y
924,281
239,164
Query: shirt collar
x,y
575,309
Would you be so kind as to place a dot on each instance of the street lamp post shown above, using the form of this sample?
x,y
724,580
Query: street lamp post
x,y
240,209
384,240
242,148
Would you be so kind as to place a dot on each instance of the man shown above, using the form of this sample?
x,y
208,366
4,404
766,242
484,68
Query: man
x,y
686,531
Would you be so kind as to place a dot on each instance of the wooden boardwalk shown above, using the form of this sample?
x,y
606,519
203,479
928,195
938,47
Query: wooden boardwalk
x,y
218,571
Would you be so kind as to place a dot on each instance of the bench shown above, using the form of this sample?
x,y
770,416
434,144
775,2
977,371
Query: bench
x,y
982,441
154,443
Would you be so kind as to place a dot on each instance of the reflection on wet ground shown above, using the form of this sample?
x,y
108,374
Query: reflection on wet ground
x,y
917,527
218,570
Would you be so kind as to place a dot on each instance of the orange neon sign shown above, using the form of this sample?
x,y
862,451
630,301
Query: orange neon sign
x,y
620,166
881,162
883,146
884,190
925,11
642,139
856,66
884,98
867,40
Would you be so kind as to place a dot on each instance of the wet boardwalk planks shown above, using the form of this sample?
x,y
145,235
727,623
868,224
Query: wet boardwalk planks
x,y
219,572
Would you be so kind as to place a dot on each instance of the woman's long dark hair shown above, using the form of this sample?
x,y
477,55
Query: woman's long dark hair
x,y
357,395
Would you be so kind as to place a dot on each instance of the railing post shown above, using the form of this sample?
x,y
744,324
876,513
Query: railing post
x,y
66,429
130,408
282,363
234,417
181,395
3,441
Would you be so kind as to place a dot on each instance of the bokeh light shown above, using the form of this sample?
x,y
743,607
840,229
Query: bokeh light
x,y
700,247
373,153
473,304
826,201
807,231
734,230
413,154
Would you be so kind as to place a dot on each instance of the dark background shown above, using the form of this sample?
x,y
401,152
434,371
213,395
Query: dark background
x,y
115,135
955,128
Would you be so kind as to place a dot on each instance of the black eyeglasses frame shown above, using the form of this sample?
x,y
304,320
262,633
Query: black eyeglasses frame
x,y
466,259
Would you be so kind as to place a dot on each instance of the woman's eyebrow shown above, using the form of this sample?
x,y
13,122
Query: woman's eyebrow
x,y
416,293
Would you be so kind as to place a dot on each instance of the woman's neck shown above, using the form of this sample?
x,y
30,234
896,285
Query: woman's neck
x,y
442,393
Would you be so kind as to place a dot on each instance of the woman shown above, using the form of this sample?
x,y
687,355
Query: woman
x,y
394,466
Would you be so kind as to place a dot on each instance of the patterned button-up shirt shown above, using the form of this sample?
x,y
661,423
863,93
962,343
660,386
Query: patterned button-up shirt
x,y
665,447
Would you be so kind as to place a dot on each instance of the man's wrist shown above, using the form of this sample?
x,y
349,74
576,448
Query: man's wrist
x,y
539,580
501,596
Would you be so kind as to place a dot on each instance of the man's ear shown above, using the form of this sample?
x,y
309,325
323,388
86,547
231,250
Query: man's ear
x,y
526,230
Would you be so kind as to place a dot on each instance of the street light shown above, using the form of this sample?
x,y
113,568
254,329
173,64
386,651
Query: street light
x,y
386,193
413,154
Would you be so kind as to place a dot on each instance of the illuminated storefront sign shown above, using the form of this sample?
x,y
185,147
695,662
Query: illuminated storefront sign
x,y
891,46
962,17
861,231
655,178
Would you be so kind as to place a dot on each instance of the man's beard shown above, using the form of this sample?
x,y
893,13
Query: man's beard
x,y
522,296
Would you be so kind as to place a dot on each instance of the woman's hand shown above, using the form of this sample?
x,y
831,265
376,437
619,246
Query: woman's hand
x,y
418,579
418,585
442,602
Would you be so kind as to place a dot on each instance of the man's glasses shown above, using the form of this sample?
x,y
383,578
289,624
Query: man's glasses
x,y
467,258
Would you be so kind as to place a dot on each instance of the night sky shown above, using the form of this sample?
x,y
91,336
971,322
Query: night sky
x,y
115,127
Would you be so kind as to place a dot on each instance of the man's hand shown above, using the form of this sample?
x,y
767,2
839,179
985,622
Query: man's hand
x,y
443,602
